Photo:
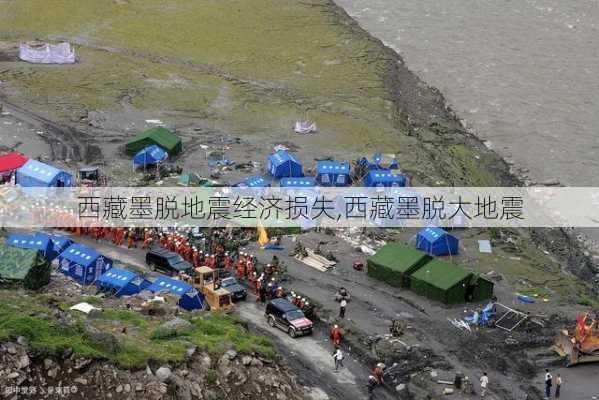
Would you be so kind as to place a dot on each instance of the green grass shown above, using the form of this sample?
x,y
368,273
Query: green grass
x,y
31,317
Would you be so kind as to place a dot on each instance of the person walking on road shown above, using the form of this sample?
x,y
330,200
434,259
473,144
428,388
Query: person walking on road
x,y
338,357
558,385
484,382
548,383
342,306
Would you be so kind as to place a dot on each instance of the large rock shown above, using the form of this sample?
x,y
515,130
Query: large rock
x,y
164,373
231,354
102,340
176,326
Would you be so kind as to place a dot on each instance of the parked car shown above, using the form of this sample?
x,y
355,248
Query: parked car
x,y
284,315
237,291
167,262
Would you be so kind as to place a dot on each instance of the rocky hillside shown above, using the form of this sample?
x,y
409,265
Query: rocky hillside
x,y
199,376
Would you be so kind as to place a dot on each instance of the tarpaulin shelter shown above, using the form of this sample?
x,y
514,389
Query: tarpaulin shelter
x,y
45,53
189,298
160,136
150,155
35,242
436,241
82,263
27,267
384,178
254,181
442,281
9,163
332,173
121,282
394,263
305,182
37,174
283,165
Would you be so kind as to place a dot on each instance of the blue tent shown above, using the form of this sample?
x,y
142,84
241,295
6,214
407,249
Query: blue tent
x,y
436,242
60,242
283,165
377,163
189,298
121,282
44,244
149,155
252,182
38,174
385,178
82,263
332,173
306,182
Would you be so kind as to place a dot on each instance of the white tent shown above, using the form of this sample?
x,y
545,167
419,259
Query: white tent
x,y
45,53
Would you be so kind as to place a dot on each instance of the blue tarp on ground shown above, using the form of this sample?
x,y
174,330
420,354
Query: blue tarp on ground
x,y
305,182
149,155
332,173
436,242
38,174
252,182
283,165
189,298
384,178
121,282
36,242
82,263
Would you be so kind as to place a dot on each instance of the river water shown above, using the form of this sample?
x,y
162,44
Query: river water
x,y
523,74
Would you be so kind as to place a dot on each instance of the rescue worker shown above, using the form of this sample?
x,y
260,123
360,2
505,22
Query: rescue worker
x,y
131,239
294,299
302,303
279,293
227,261
378,373
147,239
249,269
240,268
262,290
195,258
336,336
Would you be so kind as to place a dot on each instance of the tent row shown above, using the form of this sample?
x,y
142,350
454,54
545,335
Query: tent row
x,y
402,266
284,166
85,265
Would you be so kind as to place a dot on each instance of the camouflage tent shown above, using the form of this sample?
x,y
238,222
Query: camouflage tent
x,y
27,267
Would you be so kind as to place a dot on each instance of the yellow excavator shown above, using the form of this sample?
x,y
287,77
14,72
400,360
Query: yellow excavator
x,y
581,345
205,280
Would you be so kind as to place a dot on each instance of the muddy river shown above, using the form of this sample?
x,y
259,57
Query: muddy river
x,y
524,75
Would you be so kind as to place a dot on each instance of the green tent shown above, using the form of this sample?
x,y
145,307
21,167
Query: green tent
x,y
23,266
194,180
480,288
160,136
394,263
442,281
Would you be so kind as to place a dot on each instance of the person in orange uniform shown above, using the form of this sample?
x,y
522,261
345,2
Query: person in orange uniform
x,y
250,270
240,268
147,239
336,336
131,239
195,258
227,261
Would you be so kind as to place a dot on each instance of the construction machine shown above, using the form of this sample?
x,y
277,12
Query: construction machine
x,y
582,345
206,280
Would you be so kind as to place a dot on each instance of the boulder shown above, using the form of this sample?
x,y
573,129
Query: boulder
x,y
23,362
175,326
246,360
103,340
163,373
231,354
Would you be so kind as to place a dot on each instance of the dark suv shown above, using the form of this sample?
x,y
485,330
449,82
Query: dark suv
x,y
168,262
237,291
284,315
